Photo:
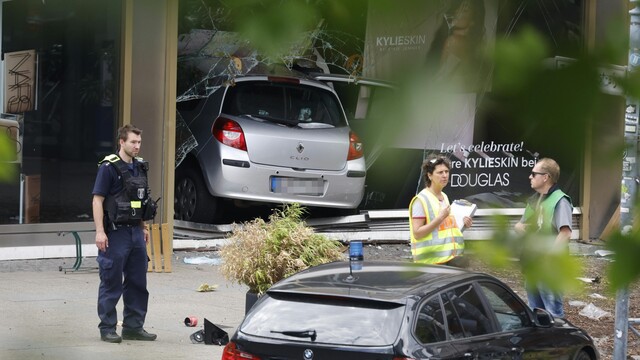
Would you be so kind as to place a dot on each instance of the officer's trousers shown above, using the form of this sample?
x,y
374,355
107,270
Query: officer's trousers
x,y
125,258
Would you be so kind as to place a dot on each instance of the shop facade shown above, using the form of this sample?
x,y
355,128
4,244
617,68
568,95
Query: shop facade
x,y
97,65
90,66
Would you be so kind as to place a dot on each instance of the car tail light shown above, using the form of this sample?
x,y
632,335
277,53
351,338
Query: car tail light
x,y
355,147
229,133
231,352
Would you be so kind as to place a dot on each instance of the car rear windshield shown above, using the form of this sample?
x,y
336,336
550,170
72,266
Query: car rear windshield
x,y
285,103
334,320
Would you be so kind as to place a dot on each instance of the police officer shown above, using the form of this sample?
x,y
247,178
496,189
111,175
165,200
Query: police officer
x,y
121,203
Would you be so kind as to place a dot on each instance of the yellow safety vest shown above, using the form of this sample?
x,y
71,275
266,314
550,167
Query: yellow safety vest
x,y
442,244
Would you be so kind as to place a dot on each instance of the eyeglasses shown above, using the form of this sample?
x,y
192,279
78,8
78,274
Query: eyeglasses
x,y
534,173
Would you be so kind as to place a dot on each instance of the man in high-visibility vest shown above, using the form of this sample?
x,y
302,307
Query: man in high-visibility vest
x,y
548,213
435,236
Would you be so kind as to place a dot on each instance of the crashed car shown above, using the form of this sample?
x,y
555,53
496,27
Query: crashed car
x,y
268,139
400,310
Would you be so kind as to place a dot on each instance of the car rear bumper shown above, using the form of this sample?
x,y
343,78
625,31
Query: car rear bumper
x,y
238,178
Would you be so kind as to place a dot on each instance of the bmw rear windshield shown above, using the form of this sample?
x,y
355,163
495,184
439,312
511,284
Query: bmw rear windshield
x,y
285,103
334,320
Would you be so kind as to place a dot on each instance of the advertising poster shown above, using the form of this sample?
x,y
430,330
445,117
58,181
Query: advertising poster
x,y
444,42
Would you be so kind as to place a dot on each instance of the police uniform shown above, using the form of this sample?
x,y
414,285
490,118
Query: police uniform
x,y
125,189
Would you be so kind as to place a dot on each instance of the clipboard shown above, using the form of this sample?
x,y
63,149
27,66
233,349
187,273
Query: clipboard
x,y
461,208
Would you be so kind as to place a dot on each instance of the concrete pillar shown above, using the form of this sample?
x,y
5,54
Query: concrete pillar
x,y
150,35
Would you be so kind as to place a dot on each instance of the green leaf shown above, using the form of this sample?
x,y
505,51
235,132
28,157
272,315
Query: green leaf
x,y
625,267
517,59
8,170
276,26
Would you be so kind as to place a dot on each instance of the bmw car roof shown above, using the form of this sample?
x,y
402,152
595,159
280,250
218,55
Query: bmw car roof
x,y
377,280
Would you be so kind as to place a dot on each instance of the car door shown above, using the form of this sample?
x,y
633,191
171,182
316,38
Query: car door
x,y
517,330
431,333
454,325
472,328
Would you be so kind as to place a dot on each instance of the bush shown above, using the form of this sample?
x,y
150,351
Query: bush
x,y
260,253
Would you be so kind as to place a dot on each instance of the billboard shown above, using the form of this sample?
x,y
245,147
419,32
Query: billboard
x,y
444,44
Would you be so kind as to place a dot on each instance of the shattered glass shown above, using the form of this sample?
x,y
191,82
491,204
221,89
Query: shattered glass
x,y
185,141
206,56
207,59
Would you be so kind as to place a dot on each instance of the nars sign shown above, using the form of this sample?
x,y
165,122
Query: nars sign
x,y
608,74
19,74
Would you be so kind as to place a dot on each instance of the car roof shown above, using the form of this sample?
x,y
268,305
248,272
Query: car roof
x,y
277,71
350,79
377,280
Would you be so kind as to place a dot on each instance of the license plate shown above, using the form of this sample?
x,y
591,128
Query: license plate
x,y
297,186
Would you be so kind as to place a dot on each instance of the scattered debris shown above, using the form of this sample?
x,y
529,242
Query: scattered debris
x,y
191,321
201,260
206,287
597,296
604,252
595,280
577,303
210,335
593,312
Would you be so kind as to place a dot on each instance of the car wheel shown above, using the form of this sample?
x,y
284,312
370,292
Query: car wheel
x,y
192,199
583,355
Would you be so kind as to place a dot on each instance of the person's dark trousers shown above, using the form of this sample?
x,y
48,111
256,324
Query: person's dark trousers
x,y
126,256
458,261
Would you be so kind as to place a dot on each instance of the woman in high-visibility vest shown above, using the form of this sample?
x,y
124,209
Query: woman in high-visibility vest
x,y
435,236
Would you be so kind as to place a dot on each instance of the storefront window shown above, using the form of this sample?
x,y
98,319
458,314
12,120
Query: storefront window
x,y
72,122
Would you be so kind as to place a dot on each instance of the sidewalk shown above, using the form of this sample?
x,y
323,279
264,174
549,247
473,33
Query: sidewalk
x,y
47,314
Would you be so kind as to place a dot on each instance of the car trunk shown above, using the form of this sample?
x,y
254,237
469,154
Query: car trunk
x,y
279,145
274,350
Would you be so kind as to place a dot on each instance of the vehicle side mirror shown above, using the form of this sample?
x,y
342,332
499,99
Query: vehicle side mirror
x,y
543,317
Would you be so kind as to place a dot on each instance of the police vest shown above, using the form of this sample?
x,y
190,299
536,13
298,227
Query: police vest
x,y
443,243
543,218
133,203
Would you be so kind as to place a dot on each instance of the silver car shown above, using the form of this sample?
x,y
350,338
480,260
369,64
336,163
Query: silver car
x,y
273,139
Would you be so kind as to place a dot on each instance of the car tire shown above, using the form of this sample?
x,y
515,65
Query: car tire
x,y
192,201
583,355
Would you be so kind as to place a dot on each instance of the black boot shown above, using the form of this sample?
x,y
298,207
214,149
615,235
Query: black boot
x,y
139,334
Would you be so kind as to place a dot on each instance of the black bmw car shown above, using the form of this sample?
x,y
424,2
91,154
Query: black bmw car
x,y
400,311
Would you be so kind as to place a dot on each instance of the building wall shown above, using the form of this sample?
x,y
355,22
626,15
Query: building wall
x,y
603,171
153,92
146,97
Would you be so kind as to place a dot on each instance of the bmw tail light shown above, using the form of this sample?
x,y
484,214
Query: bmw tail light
x,y
231,352
229,133
355,147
